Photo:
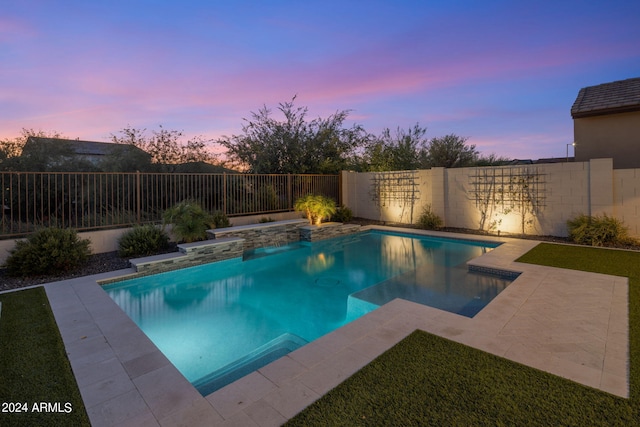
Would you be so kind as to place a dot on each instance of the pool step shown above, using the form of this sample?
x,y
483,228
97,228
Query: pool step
x,y
263,355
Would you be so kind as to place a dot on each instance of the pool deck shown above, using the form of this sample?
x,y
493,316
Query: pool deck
x,y
570,323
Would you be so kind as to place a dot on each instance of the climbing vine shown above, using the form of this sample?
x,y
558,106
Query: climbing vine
x,y
396,188
502,191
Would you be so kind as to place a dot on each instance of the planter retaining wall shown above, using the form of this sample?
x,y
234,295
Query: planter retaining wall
x,y
275,233
328,230
189,255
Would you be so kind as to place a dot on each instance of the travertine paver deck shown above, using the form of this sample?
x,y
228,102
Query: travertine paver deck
x,y
570,323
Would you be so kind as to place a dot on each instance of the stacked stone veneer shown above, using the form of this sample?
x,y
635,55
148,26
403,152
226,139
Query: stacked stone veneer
x,y
261,235
189,255
231,242
328,230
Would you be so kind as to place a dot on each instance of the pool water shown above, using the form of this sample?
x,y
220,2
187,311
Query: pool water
x,y
220,321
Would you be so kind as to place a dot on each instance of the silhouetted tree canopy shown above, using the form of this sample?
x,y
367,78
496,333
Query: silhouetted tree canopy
x,y
403,150
294,144
165,148
450,151
39,151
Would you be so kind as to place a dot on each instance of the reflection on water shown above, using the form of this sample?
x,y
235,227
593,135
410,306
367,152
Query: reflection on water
x,y
319,263
143,299
457,290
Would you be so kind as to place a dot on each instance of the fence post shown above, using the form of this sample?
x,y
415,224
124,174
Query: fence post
x,y
289,194
138,198
224,193
600,173
439,193
340,183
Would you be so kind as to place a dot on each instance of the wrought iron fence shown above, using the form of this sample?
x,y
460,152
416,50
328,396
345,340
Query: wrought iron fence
x,y
86,200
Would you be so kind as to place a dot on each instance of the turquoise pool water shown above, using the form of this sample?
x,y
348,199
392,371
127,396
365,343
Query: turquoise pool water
x,y
220,321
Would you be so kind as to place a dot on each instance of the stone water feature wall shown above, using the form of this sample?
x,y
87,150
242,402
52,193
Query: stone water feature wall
x,y
328,230
189,255
275,233
232,242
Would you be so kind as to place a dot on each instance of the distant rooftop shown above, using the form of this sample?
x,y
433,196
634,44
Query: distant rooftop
x,y
91,147
608,98
84,148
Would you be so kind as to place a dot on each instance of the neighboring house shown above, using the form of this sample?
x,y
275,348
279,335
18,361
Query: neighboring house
x,y
91,151
606,122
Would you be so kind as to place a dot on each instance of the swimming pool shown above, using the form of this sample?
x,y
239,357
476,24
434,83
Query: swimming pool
x,y
220,321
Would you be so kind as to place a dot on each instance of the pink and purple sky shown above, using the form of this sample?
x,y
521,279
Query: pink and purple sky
x,y
502,73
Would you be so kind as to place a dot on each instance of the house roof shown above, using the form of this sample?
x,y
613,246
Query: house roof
x,y
608,98
85,148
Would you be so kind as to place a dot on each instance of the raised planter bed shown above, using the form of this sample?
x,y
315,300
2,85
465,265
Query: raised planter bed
x,y
328,230
189,255
232,242
261,235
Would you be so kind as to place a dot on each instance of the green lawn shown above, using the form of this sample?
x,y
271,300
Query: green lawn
x,y
427,380
35,375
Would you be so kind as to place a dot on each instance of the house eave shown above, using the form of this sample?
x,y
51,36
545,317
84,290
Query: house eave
x,y
606,112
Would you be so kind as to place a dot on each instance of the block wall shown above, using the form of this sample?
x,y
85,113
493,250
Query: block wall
x,y
566,190
626,198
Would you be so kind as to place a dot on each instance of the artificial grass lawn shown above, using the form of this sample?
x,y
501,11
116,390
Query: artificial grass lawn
x,y
34,368
428,380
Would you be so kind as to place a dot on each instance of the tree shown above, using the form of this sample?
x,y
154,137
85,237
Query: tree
x,y
48,153
294,145
491,160
450,151
11,149
401,151
122,158
165,146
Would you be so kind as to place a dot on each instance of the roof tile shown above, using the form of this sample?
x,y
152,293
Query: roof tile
x,y
608,98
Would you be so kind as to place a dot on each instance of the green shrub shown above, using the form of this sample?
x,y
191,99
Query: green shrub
x,y
342,214
190,221
219,220
429,220
48,250
316,207
599,230
142,240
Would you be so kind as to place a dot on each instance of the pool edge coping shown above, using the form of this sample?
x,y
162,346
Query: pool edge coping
x,y
147,405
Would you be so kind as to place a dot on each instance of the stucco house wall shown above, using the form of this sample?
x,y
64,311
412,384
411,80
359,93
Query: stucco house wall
x,y
606,122
614,135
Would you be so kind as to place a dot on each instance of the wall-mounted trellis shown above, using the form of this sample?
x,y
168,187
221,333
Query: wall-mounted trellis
x,y
518,189
395,189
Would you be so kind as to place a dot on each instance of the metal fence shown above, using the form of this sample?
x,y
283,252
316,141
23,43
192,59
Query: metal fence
x,y
87,201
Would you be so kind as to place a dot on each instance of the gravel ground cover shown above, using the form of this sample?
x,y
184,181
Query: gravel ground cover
x,y
98,263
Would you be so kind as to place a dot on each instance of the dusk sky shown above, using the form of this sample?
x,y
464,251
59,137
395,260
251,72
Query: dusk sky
x,y
502,73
